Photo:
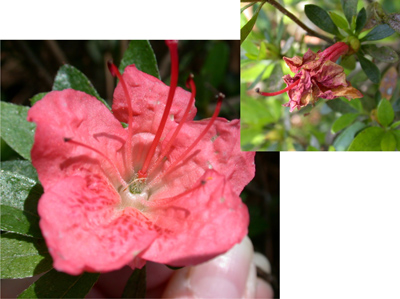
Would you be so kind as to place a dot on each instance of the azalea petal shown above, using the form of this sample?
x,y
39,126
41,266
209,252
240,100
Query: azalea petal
x,y
84,231
199,224
297,62
148,98
77,115
219,149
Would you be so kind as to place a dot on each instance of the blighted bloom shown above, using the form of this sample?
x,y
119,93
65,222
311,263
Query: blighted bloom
x,y
164,189
317,76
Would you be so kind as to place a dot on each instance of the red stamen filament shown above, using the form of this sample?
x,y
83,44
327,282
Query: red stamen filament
x,y
122,181
166,149
206,129
268,94
115,72
173,49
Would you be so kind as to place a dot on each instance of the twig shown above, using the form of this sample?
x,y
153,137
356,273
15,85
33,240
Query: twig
x,y
294,19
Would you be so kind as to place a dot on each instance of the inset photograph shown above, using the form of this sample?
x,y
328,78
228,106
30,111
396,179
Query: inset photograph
x,y
319,76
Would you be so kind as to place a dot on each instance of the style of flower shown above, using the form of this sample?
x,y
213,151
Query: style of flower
x,y
317,76
164,189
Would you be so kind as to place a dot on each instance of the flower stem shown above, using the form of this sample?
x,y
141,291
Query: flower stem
x,y
294,19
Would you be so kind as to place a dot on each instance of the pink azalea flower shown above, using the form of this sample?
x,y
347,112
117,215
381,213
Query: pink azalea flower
x,y
164,189
317,76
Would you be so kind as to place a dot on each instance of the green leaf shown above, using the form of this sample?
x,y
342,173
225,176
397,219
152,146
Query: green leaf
x,y
16,131
22,167
338,20
341,106
70,77
385,113
388,142
60,285
379,32
141,54
246,7
136,285
361,20
344,121
395,124
37,98
344,139
321,18
23,257
385,54
349,62
370,69
311,149
216,64
349,9
20,195
368,140
246,29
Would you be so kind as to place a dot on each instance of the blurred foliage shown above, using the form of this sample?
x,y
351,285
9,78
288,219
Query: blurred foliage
x,y
372,66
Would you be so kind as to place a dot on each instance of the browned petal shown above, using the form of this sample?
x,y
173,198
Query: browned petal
x,y
347,91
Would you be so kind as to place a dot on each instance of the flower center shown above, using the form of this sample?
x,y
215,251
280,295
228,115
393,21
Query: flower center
x,y
131,199
138,190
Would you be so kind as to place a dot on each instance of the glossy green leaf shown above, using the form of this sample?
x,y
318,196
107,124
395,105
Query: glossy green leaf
x,y
23,257
361,20
136,285
246,29
320,18
388,142
349,9
344,121
19,198
55,284
341,106
16,131
385,54
37,98
379,32
385,113
344,139
370,69
338,20
22,167
368,140
142,55
70,77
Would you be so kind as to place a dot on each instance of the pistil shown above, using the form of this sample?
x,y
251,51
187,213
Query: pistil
x,y
173,49
163,155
